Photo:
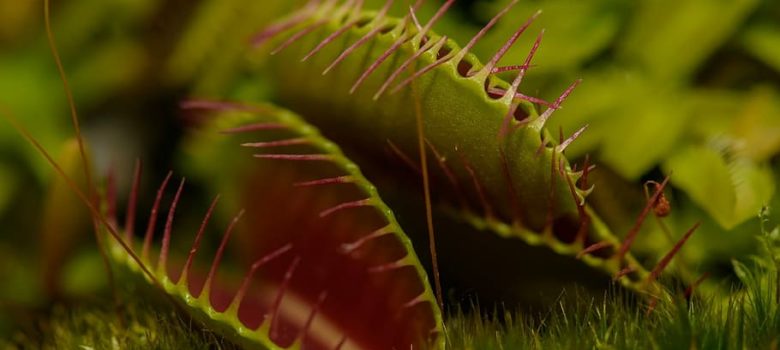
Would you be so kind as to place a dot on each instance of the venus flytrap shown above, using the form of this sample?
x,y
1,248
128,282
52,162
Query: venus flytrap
x,y
325,264
313,258
492,145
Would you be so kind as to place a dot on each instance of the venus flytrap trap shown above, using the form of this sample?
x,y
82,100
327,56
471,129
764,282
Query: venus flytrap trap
x,y
348,70
336,273
348,276
351,246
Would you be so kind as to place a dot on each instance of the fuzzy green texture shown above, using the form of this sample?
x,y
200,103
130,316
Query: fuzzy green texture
x,y
749,319
610,324
146,323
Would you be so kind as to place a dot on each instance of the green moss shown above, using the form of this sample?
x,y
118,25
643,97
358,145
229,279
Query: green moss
x,y
147,323
748,319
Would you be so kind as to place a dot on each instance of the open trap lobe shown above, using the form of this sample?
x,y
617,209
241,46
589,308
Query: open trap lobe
x,y
314,258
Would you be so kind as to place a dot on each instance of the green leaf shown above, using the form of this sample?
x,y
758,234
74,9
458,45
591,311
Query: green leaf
x,y
730,191
689,33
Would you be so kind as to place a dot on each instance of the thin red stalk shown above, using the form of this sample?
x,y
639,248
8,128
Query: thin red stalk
x,y
586,169
196,244
514,199
689,291
350,247
346,205
582,231
448,174
389,266
427,193
518,95
435,18
414,301
162,262
541,147
278,143
305,157
422,72
255,127
510,94
625,271
153,217
509,43
668,257
82,152
509,68
396,45
562,147
221,106
593,247
477,186
484,30
378,23
403,156
297,36
273,30
335,34
557,104
326,181
503,132
84,198
256,265
111,195
393,48
551,199
631,236
562,166
428,45
415,21
320,299
278,301
330,14
69,95
220,252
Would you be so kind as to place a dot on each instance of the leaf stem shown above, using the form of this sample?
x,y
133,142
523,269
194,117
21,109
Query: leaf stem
x,y
427,192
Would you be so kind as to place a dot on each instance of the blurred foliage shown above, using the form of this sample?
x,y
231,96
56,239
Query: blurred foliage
x,y
688,88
